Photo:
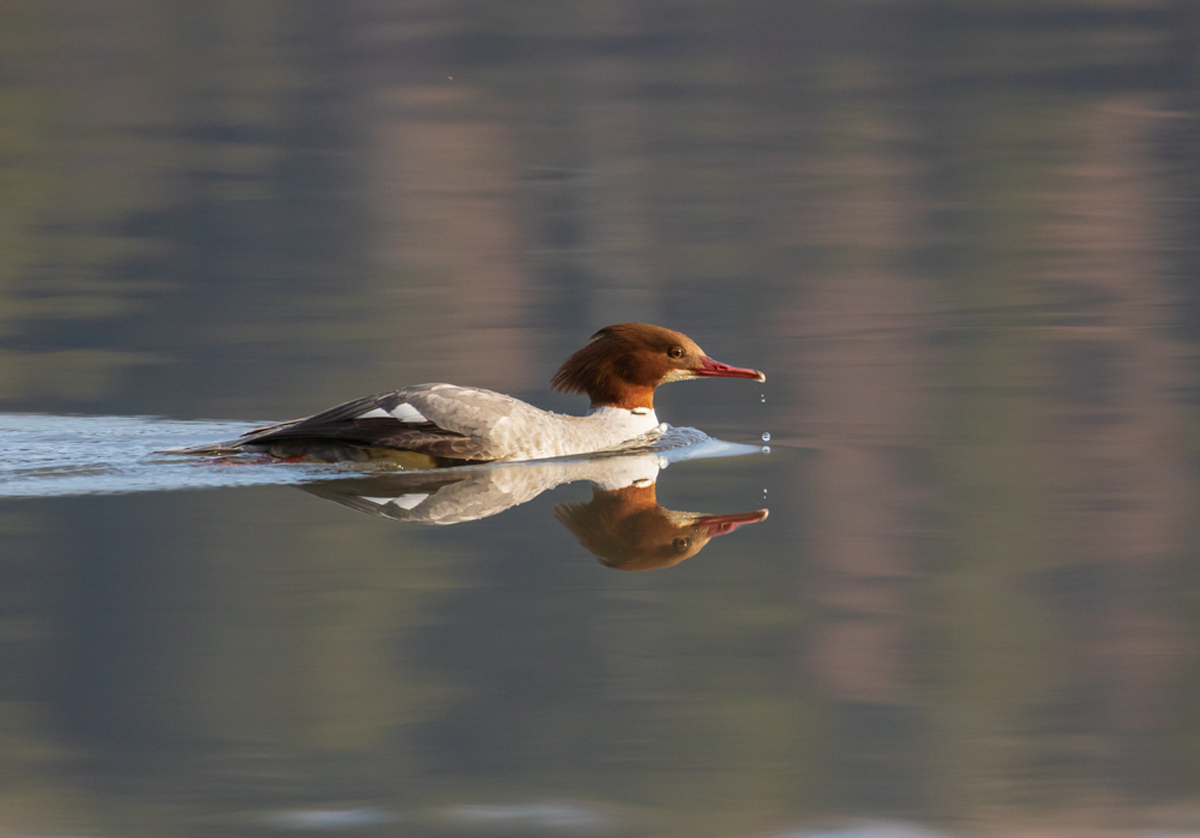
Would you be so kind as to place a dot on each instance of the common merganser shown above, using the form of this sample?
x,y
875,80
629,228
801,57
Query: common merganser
x,y
431,425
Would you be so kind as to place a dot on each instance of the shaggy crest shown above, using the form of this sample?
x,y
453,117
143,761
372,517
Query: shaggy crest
x,y
624,363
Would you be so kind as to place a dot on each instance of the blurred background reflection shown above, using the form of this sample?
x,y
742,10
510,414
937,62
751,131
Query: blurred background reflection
x,y
960,239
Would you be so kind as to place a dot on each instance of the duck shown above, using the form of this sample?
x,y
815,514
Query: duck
x,y
437,425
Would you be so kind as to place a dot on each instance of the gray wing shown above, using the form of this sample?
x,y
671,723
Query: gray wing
x,y
384,420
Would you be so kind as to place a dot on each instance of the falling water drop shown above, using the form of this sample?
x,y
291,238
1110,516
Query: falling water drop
x,y
766,449
766,436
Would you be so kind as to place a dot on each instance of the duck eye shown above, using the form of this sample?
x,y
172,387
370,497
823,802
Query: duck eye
x,y
675,351
681,543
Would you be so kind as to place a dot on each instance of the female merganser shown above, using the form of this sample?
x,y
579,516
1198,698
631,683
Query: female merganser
x,y
439,424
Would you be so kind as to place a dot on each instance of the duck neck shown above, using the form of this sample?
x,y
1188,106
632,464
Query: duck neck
x,y
625,398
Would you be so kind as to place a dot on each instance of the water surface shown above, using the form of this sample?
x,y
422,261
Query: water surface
x,y
959,238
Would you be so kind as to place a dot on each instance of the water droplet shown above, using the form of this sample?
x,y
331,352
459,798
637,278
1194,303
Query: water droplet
x,y
764,398
766,437
766,449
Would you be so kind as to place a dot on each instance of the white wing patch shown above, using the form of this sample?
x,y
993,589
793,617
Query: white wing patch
x,y
403,501
407,413
403,412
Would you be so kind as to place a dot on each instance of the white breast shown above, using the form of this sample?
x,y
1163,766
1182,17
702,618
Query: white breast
x,y
515,430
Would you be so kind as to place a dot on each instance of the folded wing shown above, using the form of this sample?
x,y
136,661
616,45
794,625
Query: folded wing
x,y
420,419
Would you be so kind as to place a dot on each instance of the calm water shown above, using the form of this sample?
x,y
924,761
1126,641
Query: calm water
x,y
960,239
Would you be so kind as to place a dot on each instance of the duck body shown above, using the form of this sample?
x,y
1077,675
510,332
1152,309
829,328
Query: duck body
x,y
446,422
428,425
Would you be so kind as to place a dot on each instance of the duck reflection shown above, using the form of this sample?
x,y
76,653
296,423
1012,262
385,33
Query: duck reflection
x,y
628,530
623,523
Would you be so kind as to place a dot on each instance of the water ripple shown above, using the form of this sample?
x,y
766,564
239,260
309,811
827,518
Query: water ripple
x,y
45,455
